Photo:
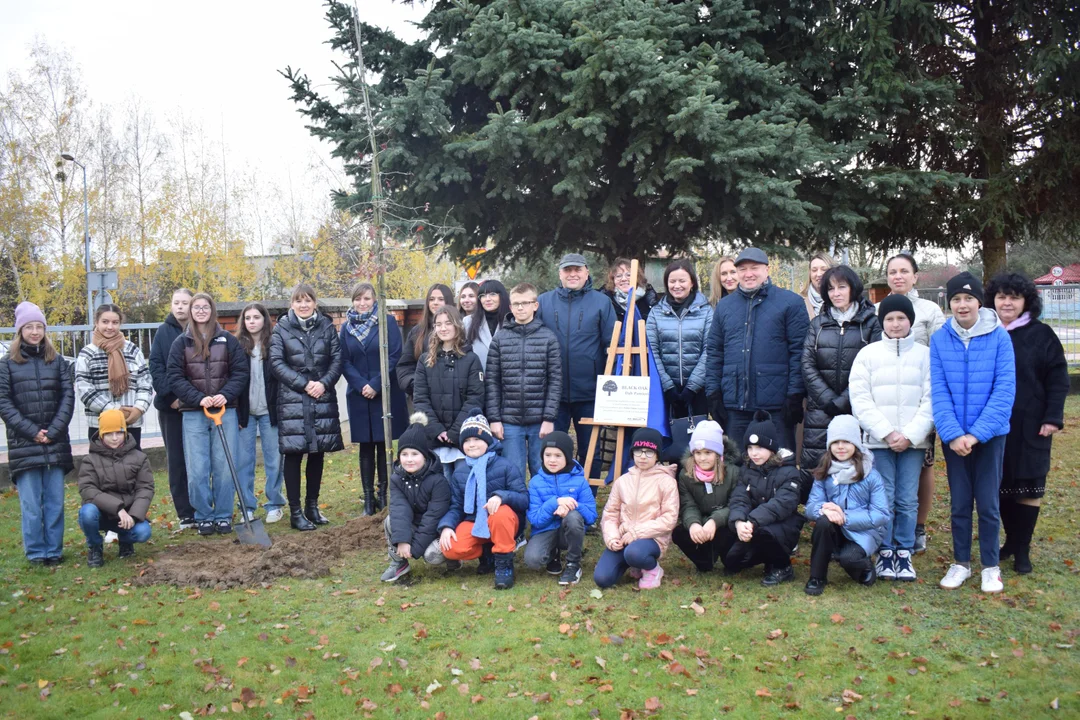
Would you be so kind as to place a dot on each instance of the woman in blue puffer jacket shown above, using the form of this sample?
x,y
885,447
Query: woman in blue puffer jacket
x,y
677,330
973,376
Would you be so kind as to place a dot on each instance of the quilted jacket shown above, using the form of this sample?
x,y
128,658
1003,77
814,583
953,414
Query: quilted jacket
x,y
890,391
866,507
643,505
768,495
447,392
503,479
417,504
583,321
678,342
306,425
545,490
973,386
524,374
35,395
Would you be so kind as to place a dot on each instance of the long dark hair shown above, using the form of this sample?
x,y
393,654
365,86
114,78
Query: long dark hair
x,y
1014,283
479,314
824,468
682,264
427,321
247,341
845,275
202,341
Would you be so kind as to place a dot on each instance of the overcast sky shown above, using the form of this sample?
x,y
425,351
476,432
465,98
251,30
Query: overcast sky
x,y
217,59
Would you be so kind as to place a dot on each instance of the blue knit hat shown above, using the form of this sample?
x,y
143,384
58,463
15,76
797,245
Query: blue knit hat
x,y
476,426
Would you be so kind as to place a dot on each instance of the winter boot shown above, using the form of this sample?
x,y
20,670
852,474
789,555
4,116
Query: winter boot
x,y
95,558
380,501
504,570
126,550
1025,517
487,564
1009,525
298,520
369,496
311,512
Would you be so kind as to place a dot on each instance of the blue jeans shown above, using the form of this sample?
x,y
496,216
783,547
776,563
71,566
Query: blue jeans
x,y
93,524
210,486
245,463
521,443
642,554
900,471
974,482
41,498
573,412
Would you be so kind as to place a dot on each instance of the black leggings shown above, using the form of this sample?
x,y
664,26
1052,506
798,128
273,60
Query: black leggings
x,y
292,477
372,459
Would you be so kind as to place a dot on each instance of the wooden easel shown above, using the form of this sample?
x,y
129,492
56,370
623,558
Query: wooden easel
x,y
628,352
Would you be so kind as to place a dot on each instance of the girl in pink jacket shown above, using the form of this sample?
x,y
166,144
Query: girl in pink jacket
x,y
641,512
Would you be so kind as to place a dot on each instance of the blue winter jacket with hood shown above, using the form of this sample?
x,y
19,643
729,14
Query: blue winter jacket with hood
x,y
973,382
545,490
866,505
583,321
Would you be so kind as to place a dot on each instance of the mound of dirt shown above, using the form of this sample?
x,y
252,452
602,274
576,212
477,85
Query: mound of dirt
x,y
222,564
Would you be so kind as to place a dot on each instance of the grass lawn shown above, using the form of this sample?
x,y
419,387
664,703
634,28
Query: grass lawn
x,y
81,643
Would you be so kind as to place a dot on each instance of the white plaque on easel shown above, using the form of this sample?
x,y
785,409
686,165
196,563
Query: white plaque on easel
x,y
622,400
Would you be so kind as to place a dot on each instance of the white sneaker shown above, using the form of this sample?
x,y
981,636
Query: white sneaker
x,y
275,515
250,515
111,537
955,577
991,580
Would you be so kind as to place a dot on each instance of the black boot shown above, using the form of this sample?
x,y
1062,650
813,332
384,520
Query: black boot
x,y
1008,524
1026,517
298,520
504,570
487,563
369,496
311,511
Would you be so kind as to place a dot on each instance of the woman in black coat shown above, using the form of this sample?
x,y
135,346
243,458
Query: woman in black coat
x,y
449,383
305,355
416,343
1042,383
360,364
846,324
37,399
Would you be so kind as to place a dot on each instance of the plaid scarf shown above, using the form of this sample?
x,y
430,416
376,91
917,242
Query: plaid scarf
x,y
360,324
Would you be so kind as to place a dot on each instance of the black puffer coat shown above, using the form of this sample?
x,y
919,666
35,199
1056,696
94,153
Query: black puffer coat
x,y
223,372
768,496
306,425
524,374
164,338
417,504
406,366
35,395
446,392
828,354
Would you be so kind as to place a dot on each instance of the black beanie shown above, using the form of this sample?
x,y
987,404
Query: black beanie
x,y
762,432
415,436
647,438
561,442
965,282
896,303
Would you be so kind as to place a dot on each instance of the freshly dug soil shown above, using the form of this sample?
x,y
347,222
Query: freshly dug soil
x,y
221,563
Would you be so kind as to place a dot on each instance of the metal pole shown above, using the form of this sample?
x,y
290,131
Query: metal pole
x,y
86,246
377,219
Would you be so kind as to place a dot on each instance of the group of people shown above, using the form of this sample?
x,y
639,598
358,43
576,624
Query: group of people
x,y
823,401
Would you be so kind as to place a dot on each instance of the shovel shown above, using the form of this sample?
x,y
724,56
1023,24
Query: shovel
x,y
251,532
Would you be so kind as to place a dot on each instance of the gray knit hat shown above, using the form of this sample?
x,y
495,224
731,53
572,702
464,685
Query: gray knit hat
x,y
844,427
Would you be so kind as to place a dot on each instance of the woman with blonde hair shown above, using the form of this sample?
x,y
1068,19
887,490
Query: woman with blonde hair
x,y
811,292
724,279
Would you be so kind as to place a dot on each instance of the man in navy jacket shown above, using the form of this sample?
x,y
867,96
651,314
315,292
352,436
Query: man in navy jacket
x,y
754,351
583,320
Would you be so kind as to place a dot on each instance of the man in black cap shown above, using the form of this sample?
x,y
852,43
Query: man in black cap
x,y
754,351
583,321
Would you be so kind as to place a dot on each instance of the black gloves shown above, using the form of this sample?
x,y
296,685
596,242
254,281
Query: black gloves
x,y
793,410
671,397
717,409
686,397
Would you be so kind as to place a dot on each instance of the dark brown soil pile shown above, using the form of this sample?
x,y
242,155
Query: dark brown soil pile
x,y
222,563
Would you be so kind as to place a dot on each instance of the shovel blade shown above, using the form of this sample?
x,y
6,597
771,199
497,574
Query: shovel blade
x,y
252,533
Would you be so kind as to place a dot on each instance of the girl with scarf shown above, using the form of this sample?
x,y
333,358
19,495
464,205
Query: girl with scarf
x,y
305,355
709,472
849,506
488,502
813,293
36,403
487,318
112,374
1038,413
208,369
360,365
617,288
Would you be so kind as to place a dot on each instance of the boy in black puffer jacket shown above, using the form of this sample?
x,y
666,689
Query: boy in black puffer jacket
x,y
764,505
419,497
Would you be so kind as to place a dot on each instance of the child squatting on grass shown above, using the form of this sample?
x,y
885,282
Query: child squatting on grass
x,y
849,506
561,505
641,512
419,498
708,474
764,506
487,495
116,485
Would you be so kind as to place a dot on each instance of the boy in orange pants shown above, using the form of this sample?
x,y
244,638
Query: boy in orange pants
x,y
487,503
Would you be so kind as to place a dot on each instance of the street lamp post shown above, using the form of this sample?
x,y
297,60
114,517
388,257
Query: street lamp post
x,y
86,238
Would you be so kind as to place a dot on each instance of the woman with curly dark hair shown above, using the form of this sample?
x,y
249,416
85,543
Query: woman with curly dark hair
x,y
1038,412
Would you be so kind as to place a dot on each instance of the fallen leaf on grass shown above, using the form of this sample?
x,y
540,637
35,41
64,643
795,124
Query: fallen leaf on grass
x,y
596,594
850,696
653,704
837,618
697,608
564,628
691,692
601,662
775,634
763,692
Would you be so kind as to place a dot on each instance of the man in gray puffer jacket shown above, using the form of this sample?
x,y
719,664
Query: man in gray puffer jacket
x,y
524,381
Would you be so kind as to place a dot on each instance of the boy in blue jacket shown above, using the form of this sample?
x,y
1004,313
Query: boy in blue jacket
x,y
488,501
849,506
973,377
561,505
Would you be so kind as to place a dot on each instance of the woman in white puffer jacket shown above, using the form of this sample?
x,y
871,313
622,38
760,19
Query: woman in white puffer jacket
x,y
889,388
